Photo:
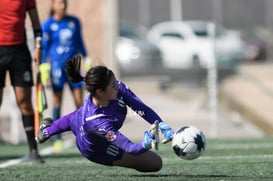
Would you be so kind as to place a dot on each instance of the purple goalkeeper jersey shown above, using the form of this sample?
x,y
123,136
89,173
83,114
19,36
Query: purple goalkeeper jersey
x,y
96,128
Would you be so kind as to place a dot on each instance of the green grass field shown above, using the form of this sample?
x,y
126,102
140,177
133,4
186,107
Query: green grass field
x,y
222,160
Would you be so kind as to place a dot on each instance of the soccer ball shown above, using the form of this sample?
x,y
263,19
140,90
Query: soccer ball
x,y
189,143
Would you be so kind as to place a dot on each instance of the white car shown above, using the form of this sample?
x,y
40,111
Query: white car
x,y
191,44
135,54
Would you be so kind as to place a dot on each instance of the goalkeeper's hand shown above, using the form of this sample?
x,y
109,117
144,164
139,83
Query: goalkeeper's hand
x,y
87,63
167,132
148,140
44,69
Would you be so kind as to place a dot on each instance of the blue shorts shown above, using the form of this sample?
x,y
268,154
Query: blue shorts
x,y
59,78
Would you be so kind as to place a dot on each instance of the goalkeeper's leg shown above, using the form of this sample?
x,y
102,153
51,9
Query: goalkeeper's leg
x,y
148,161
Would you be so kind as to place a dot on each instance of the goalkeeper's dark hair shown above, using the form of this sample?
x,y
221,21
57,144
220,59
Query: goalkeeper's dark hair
x,y
97,77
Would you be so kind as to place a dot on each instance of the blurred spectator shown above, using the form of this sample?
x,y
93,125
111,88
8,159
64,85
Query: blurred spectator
x,y
62,40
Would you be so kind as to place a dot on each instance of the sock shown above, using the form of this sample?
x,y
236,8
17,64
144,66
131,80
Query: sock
x,y
28,123
56,115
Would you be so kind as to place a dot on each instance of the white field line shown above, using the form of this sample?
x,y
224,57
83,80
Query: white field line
x,y
44,152
49,150
11,162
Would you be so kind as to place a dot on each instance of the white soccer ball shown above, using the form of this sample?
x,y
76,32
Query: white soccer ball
x,y
189,142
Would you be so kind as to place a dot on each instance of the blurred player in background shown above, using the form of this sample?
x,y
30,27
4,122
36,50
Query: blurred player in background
x,y
62,40
96,124
15,58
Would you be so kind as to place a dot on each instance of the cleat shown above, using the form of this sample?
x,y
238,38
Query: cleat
x,y
155,134
41,137
34,157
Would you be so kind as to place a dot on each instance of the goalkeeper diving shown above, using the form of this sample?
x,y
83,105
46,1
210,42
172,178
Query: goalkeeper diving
x,y
97,122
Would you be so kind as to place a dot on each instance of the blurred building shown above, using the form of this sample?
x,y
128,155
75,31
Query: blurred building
x,y
237,14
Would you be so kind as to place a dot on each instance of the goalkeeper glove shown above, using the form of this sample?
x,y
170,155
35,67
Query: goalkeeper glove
x,y
167,132
154,131
44,73
148,140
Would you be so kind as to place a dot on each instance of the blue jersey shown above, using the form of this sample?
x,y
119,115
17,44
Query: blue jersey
x,y
62,39
97,128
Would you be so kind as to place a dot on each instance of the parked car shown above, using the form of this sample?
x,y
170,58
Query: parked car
x,y
192,44
133,51
257,46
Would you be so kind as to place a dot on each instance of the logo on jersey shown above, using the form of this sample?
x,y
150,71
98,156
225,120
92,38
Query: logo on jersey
x,y
54,27
102,129
65,36
111,136
71,25
121,102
